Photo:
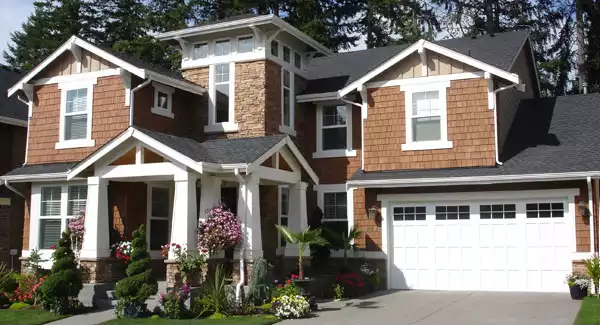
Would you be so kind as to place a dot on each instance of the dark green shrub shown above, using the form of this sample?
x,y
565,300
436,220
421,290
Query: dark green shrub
x,y
4,301
61,288
217,292
260,288
133,291
203,307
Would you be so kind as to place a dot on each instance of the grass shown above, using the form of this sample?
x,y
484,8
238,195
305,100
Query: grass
x,y
246,320
589,312
27,316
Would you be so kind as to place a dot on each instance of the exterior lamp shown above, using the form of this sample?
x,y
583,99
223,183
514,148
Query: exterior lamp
x,y
373,212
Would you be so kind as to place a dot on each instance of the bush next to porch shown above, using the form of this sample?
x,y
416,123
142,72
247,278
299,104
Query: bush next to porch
x,y
133,291
61,288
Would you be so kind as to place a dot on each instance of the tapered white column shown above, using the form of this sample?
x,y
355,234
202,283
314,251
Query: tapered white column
x,y
210,194
249,214
96,238
183,228
298,216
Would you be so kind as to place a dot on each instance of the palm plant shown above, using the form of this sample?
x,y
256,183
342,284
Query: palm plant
x,y
302,240
345,240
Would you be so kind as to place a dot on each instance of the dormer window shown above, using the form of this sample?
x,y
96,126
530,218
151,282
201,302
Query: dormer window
x,y
275,48
222,47
286,54
76,115
426,117
163,100
297,60
245,44
200,51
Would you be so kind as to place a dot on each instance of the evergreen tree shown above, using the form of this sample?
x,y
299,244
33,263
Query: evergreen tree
x,y
133,291
61,288
592,51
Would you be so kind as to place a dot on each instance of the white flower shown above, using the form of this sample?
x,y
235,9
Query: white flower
x,y
291,307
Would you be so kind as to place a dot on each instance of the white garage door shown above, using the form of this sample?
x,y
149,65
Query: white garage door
x,y
486,245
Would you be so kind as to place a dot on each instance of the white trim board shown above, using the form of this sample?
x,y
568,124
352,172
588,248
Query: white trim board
x,y
474,196
13,121
425,80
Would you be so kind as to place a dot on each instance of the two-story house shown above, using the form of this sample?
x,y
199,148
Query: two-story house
x,y
442,153
13,134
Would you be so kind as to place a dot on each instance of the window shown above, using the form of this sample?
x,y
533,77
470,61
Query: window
x,y
335,211
284,208
498,211
163,100
222,88
287,97
286,54
275,48
545,210
200,51
297,60
160,216
426,120
334,131
245,44
409,213
221,92
452,212
222,48
52,218
76,115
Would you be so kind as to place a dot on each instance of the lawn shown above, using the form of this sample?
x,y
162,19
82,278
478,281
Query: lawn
x,y
246,320
589,312
27,316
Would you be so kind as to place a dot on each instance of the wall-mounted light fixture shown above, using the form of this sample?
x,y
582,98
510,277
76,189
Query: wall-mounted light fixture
x,y
373,212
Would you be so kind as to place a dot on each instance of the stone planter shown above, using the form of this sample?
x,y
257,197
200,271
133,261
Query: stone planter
x,y
307,289
577,293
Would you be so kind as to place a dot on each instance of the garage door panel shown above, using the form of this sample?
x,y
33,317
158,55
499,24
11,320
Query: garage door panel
x,y
561,239
515,256
441,236
486,235
441,257
498,235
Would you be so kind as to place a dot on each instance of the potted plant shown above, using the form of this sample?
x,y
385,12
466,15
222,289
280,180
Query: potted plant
x,y
578,285
190,264
221,230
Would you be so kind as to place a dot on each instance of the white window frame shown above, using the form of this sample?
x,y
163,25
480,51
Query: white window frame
x,y
349,151
336,188
156,254
290,66
409,90
237,44
168,112
258,52
36,210
289,129
213,126
65,87
193,52
280,215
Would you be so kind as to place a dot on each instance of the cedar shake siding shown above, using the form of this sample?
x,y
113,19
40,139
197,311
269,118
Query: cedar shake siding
x,y
110,118
371,239
470,128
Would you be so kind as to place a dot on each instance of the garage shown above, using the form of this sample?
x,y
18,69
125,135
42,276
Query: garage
x,y
491,241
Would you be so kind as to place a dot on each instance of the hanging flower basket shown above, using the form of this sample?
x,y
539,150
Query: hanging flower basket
x,y
221,230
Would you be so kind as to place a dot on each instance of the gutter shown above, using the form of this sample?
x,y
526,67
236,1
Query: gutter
x,y
238,286
8,186
132,96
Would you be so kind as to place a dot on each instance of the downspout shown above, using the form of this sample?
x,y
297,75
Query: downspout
x,y
132,96
8,186
520,87
596,185
29,111
590,183
238,286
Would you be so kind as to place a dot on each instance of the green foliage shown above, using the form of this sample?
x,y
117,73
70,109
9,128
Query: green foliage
x,y
260,288
133,291
265,308
203,306
216,291
154,317
60,290
217,316
593,269
287,289
302,240
8,282
338,292
4,300
344,240
34,262
19,305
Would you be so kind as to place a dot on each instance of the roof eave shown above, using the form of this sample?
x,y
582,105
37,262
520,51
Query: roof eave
x,y
215,28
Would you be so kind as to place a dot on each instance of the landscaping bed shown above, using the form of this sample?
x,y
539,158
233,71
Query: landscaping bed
x,y
249,320
28,316
589,312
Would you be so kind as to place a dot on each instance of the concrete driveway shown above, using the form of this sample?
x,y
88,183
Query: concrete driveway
x,y
449,308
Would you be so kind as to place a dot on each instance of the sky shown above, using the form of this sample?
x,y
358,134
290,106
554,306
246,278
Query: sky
x,y
12,14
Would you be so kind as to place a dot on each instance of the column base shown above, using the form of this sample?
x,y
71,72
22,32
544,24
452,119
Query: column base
x,y
248,254
101,270
247,272
174,278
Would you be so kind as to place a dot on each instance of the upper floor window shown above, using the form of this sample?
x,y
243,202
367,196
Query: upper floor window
x,y
297,60
76,115
245,44
286,54
221,92
222,47
275,48
163,100
287,102
426,117
200,51
334,131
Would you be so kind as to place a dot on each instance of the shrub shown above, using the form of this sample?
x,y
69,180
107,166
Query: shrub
x,y
189,264
4,301
260,288
61,288
220,230
216,291
338,292
154,317
202,306
19,305
290,306
34,262
8,282
133,291
287,289
173,302
28,289
593,269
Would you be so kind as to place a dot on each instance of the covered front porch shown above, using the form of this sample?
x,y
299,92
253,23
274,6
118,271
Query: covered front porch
x,y
167,183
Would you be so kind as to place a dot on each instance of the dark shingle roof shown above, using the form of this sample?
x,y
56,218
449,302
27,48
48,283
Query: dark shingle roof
x,y
549,135
52,168
10,107
225,151
334,72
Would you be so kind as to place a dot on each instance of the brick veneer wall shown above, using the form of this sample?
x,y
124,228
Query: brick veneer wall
x,y
110,117
366,198
470,128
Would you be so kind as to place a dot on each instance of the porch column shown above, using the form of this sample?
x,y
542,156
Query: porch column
x,y
298,216
210,194
96,238
183,229
249,214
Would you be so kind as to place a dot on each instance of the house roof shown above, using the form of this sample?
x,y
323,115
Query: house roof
x,y
332,73
10,107
548,136
40,169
